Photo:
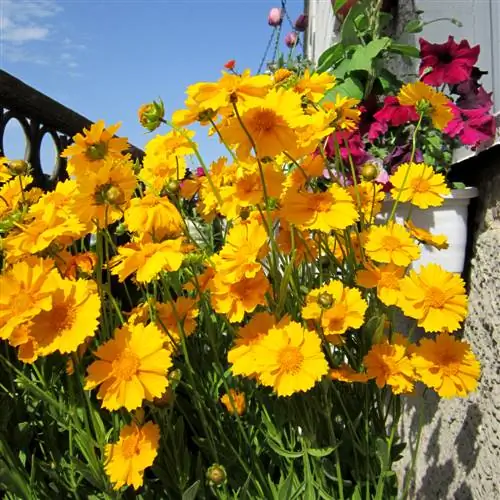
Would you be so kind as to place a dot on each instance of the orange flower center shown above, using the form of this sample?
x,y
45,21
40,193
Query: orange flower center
x,y
96,151
389,280
391,242
22,302
420,185
126,365
130,446
63,316
324,202
290,359
264,120
436,297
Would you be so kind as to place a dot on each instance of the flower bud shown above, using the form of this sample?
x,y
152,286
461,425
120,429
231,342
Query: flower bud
x,y
291,39
216,475
96,151
275,17
369,171
325,300
115,195
200,172
18,167
230,64
301,23
173,186
151,115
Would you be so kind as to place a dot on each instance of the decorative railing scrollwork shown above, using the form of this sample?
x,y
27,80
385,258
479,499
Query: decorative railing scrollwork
x,y
39,116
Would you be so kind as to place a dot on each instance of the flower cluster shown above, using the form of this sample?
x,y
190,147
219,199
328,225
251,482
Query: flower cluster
x,y
266,266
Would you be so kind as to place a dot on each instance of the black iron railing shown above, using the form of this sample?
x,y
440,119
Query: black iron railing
x,y
39,115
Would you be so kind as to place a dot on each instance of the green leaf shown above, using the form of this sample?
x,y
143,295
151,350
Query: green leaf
x,y
192,491
363,56
321,452
338,5
414,26
330,57
458,185
351,87
382,451
285,489
388,81
282,452
356,495
404,50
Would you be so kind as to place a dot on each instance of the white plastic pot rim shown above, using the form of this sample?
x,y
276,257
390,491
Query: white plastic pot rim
x,y
456,194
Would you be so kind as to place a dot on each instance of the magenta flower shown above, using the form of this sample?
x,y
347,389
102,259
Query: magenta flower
x,y
392,114
448,62
275,17
200,172
301,23
472,126
291,39
350,144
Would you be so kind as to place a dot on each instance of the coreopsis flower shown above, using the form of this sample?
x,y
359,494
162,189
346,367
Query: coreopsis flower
x,y
350,247
427,101
26,290
92,147
439,241
291,239
301,23
386,279
130,367
344,373
447,62
235,402
195,112
391,243
325,211
271,123
368,198
102,196
164,160
151,115
134,452
282,75
434,297
183,311
447,365
5,172
154,215
335,307
241,354
291,39
73,266
390,365
347,112
11,195
289,359
245,245
59,202
314,86
72,318
216,475
418,184
235,298
275,17
147,259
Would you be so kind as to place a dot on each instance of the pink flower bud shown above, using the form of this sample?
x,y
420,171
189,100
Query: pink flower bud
x,y
301,23
275,17
200,172
291,39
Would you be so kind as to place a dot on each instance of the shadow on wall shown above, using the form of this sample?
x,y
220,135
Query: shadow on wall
x,y
441,458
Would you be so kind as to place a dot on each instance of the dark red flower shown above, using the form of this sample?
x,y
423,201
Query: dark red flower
x,y
447,62
301,23
350,144
472,126
230,64
392,114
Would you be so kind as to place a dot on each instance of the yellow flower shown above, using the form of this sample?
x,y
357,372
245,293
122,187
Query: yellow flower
x,y
417,184
134,452
270,122
439,241
147,260
314,86
72,318
291,239
435,297
235,298
368,198
26,290
245,245
102,195
235,402
241,354
185,313
59,202
281,75
313,165
391,244
5,173
11,195
344,373
71,266
385,278
327,211
155,216
131,367
345,112
89,149
428,101
289,359
336,308
447,365
389,364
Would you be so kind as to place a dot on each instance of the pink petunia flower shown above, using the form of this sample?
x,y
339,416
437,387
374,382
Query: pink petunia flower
x,y
471,126
447,62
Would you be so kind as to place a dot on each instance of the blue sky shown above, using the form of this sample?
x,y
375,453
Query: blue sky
x,y
105,58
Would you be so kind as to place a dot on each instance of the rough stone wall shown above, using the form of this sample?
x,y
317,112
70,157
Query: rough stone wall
x,y
459,455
